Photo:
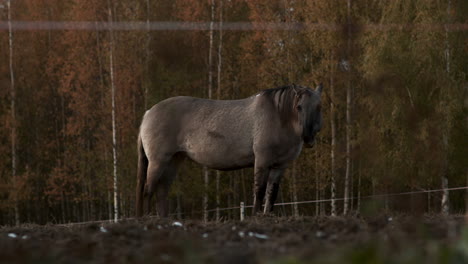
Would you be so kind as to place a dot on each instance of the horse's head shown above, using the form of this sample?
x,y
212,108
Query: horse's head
x,y
308,107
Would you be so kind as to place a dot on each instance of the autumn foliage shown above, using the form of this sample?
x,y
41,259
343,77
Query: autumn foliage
x,y
407,75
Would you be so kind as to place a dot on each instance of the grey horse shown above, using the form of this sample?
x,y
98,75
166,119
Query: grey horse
x,y
265,131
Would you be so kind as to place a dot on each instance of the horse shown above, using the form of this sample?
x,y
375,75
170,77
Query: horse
x,y
266,131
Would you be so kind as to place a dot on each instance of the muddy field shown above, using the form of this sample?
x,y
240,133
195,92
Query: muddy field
x,y
383,239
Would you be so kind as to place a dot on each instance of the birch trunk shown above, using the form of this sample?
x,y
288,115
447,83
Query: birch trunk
x,y
244,190
322,205
358,205
429,202
205,196
220,47
101,79
210,92
218,94
210,53
445,206
13,114
148,54
230,197
62,206
348,120
217,196
333,142
290,75
317,195
114,137
351,188
466,196
109,204
445,196
294,191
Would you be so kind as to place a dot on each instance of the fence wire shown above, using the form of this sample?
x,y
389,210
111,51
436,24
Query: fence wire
x,y
279,204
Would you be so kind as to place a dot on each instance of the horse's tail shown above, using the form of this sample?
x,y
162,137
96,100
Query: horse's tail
x,y
141,177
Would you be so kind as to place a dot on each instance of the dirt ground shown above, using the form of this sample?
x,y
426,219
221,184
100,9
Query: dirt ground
x,y
382,239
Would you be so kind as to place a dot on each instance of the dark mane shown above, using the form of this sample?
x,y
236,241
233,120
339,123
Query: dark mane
x,y
284,100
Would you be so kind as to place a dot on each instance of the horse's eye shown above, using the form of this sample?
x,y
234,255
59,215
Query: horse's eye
x,y
299,108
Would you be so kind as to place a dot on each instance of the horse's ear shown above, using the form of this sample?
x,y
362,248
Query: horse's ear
x,y
319,88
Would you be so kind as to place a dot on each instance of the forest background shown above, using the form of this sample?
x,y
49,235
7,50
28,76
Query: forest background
x,y
71,101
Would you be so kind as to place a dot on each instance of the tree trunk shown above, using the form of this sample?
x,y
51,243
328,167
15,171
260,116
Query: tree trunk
x,y
210,92
13,115
218,94
348,120
333,141
210,52
294,191
109,204
244,191
445,196
230,196
220,47
429,202
445,206
68,212
351,187
103,87
217,195
114,137
466,195
317,195
62,206
205,196
281,199
322,204
148,54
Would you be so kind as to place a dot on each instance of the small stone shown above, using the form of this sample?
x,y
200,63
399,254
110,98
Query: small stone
x,y
261,236
179,224
320,234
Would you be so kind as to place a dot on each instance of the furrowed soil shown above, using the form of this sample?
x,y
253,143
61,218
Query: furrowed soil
x,y
382,239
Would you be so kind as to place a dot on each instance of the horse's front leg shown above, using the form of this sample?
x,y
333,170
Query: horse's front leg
x,y
260,183
272,189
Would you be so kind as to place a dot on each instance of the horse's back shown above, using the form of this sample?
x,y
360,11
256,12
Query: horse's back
x,y
205,130
191,111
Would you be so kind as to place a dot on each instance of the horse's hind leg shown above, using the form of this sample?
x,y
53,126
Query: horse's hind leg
x,y
162,189
260,183
155,173
272,189
160,177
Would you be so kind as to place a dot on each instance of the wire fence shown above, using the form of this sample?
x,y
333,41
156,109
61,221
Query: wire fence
x,y
242,207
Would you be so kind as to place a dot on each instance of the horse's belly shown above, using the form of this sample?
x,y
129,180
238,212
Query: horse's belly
x,y
221,156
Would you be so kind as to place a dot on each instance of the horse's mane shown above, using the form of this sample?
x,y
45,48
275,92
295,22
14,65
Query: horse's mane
x,y
283,98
